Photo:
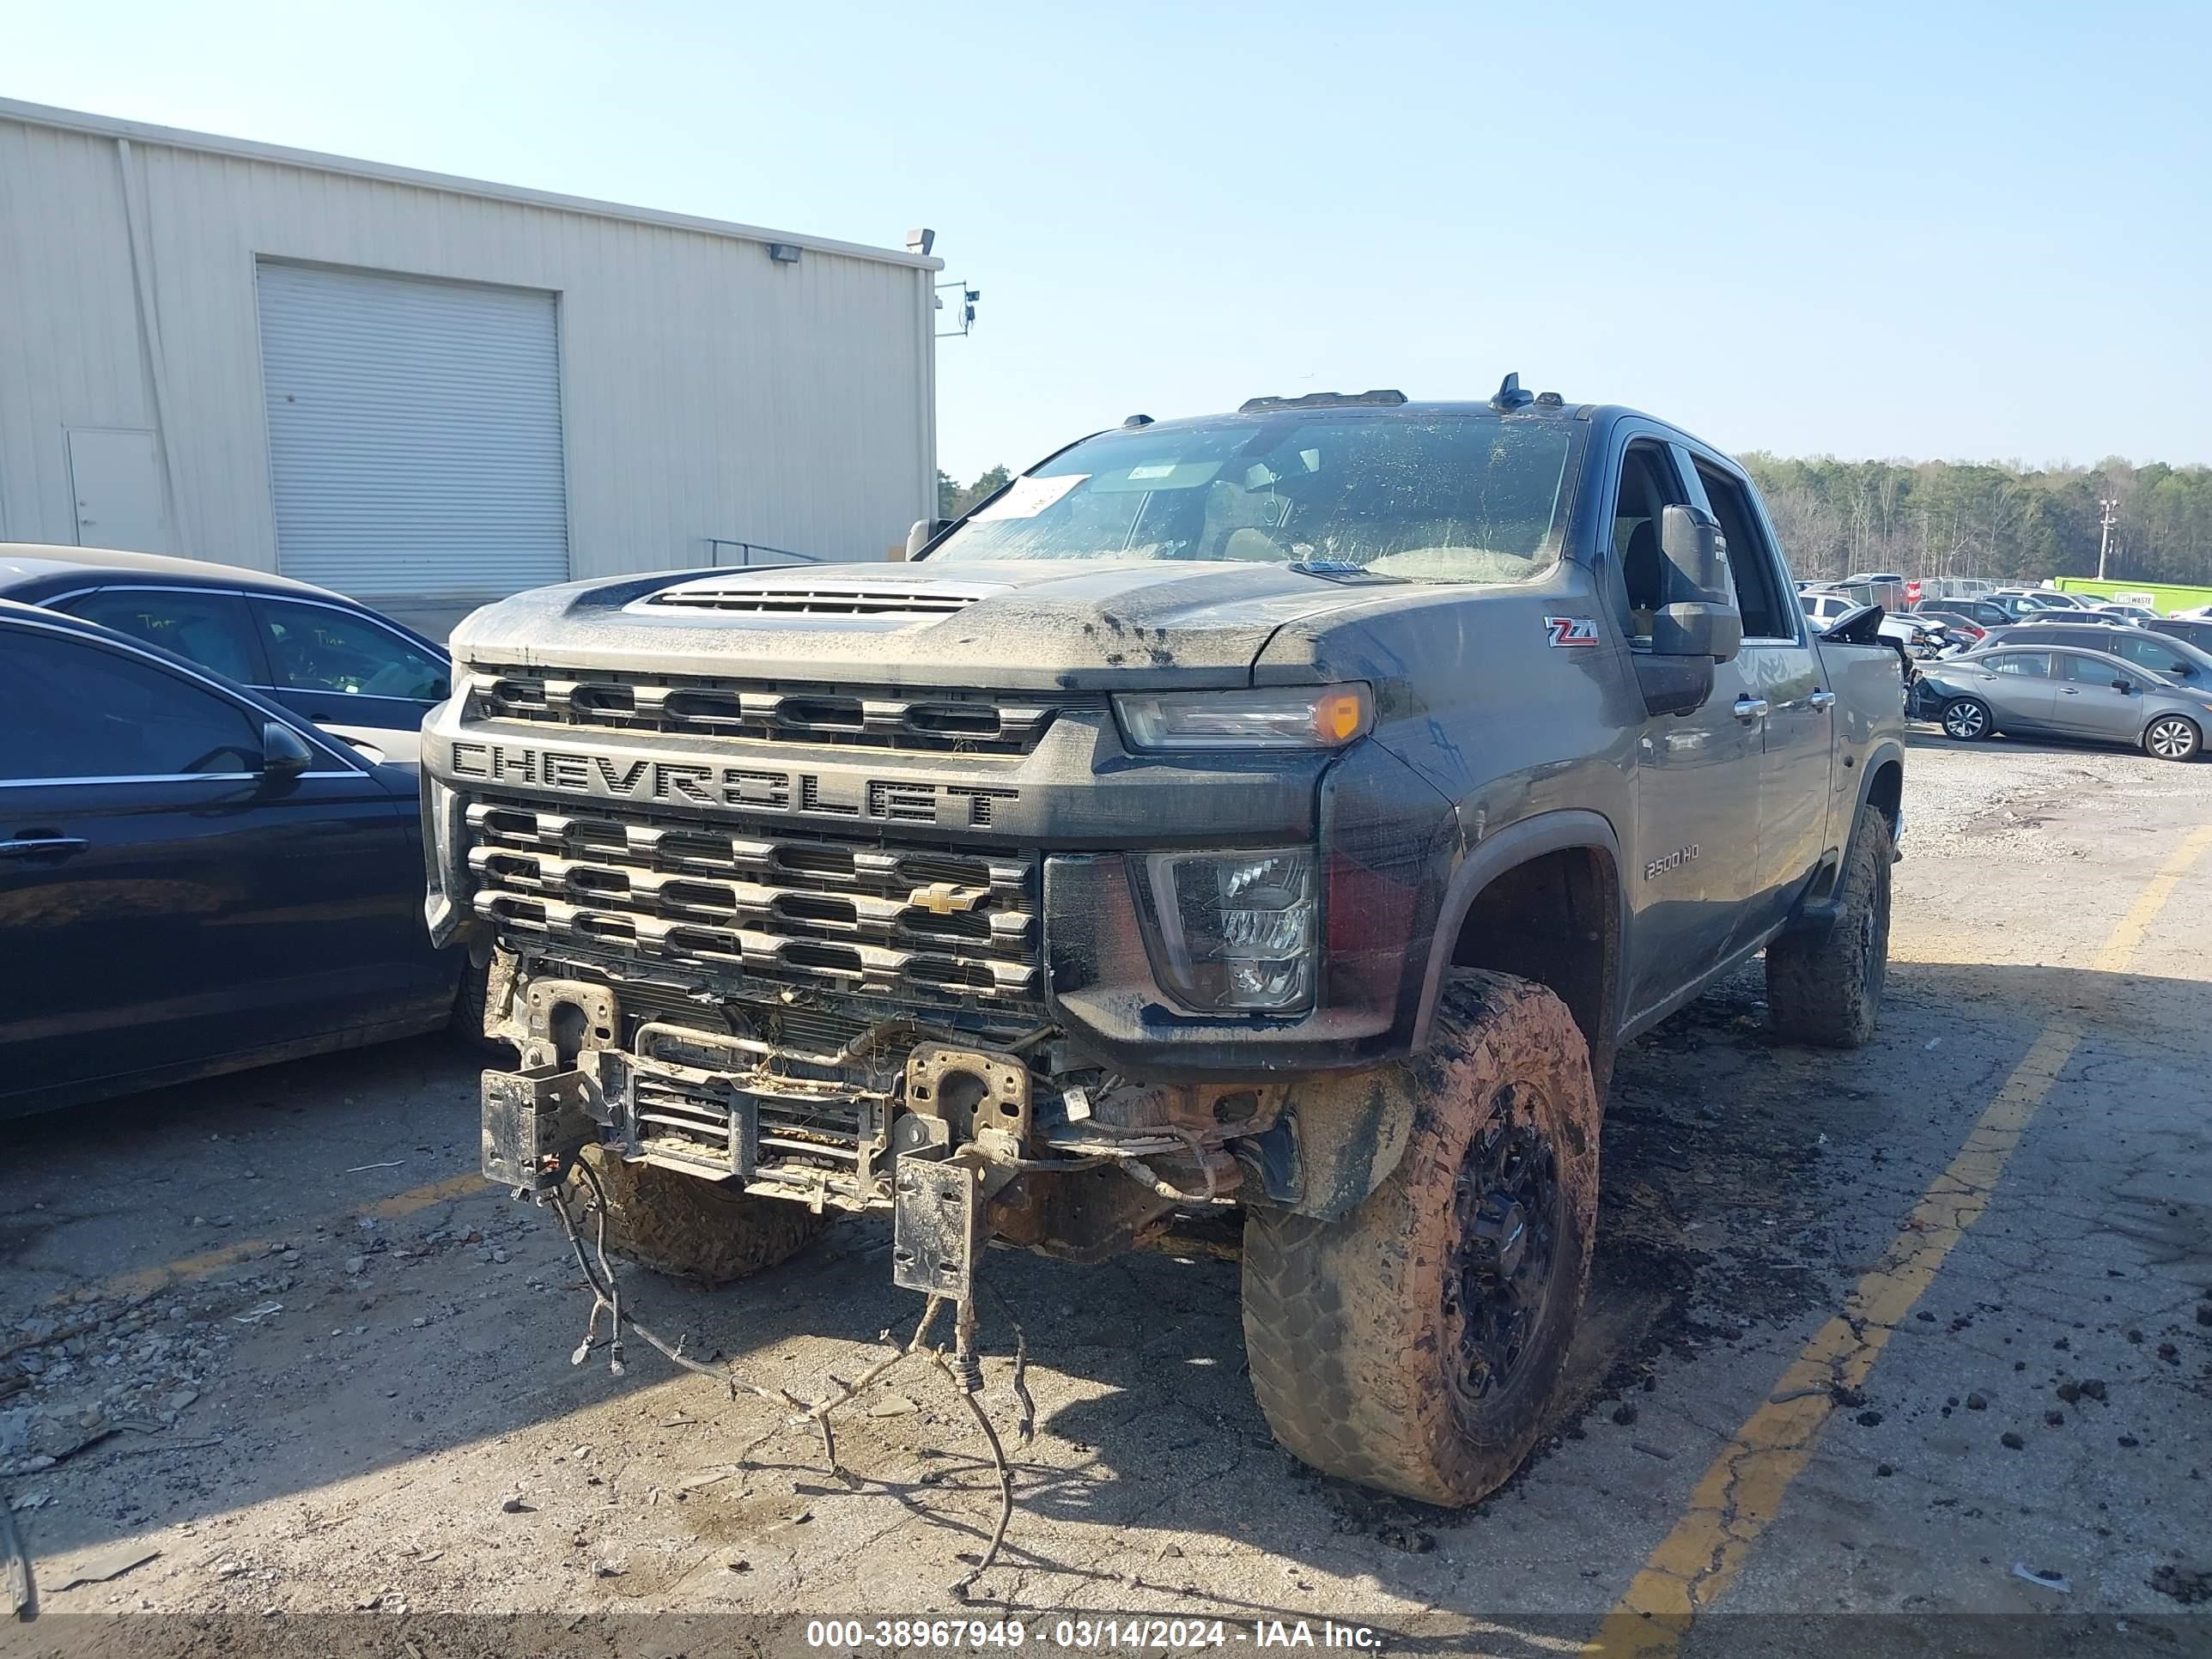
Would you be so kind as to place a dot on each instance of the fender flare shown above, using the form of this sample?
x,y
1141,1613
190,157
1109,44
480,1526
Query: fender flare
x,y
1816,915
1883,753
1340,1137
1563,830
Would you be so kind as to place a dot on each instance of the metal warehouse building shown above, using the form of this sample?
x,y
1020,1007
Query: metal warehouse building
x,y
428,391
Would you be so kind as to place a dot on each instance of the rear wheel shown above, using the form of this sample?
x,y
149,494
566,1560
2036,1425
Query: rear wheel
x,y
2173,736
1416,1345
1824,987
1967,718
677,1225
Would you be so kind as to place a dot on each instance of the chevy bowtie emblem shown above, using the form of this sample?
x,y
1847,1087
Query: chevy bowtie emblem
x,y
942,898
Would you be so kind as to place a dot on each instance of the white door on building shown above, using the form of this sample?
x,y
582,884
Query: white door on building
x,y
414,435
116,477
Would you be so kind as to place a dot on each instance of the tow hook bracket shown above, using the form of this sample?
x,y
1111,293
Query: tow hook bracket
x,y
535,1122
982,1097
934,1210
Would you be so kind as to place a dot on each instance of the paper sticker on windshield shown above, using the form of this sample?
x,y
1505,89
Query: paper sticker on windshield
x,y
1571,630
1025,498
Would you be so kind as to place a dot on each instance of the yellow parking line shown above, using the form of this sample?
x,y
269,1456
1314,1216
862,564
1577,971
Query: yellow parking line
x,y
1741,1492
184,1268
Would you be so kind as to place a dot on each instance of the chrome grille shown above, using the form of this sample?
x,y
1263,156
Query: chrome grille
x,y
916,924
978,722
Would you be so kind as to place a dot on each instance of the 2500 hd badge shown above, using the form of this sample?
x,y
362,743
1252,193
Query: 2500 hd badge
x,y
678,783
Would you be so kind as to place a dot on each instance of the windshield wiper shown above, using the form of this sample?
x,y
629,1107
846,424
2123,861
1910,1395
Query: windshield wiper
x,y
1341,570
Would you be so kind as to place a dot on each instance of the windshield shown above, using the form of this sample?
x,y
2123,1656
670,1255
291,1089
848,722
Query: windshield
x,y
1432,497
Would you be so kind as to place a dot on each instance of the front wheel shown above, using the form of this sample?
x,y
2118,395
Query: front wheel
x,y
470,1015
709,1231
1967,718
1417,1344
2173,736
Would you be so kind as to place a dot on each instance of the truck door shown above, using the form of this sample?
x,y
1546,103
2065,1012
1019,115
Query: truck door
x,y
1695,861
1792,709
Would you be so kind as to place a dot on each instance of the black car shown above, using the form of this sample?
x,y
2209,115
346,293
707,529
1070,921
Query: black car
x,y
2153,648
319,653
193,878
1982,613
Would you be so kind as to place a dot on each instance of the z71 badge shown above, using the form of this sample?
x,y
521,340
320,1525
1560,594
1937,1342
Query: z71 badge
x,y
1571,630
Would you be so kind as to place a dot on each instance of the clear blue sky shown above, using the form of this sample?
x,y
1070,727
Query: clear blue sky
x,y
1935,229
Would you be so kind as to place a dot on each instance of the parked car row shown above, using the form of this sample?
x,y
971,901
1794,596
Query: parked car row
x,y
210,841
2035,661
2073,682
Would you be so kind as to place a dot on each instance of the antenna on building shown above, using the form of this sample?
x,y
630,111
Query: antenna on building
x,y
968,298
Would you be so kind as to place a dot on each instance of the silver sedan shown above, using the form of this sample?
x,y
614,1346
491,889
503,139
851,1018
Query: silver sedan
x,y
2068,693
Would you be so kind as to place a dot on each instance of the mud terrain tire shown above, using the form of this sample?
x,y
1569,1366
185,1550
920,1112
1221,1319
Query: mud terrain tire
x,y
1825,988
1388,1347
675,1224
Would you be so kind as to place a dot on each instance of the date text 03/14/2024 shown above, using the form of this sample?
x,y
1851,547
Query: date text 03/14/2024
x,y
1087,1634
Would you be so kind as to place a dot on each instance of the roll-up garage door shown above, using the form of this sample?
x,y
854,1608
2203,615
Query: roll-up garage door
x,y
414,435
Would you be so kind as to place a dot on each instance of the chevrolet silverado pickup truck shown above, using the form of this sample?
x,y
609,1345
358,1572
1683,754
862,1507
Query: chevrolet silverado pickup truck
x,y
1292,810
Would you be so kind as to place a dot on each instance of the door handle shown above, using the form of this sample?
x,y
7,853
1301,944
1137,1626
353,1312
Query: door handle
x,y
2068,691
1820,700
1748,709
42,847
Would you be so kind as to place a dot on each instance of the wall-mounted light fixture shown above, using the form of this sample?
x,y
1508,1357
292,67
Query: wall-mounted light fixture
x,y
784,253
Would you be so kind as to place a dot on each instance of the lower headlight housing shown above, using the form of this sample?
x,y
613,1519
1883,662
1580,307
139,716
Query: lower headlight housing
x,y
1235,932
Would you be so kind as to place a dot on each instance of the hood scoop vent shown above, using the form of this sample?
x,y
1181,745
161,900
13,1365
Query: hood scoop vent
x,y
860,601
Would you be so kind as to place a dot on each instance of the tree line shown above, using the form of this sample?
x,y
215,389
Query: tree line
x,y
1948,518
954,498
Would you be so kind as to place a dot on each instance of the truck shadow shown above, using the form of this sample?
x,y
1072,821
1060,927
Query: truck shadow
x,y
1746,1183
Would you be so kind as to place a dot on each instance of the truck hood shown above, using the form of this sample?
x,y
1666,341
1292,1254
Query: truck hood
x,y
1034,625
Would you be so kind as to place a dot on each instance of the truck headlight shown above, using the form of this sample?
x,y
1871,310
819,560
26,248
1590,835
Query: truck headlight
x,y
1266,717
1235,932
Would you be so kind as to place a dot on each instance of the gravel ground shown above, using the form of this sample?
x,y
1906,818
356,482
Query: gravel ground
x,y
267,1351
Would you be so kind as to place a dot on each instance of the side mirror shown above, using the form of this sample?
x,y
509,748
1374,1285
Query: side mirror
x,y
2123,685
1691,541
284,753
924,532
1698,629
1708,625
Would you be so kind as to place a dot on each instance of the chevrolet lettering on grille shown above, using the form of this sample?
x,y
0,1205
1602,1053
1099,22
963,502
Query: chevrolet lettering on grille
x,y
756,789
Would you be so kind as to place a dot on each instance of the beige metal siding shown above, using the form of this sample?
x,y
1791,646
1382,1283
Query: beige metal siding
x,y
706,390
414,434
68,333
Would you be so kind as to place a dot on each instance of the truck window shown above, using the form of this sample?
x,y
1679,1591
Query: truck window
x,y
1648,487
1751,564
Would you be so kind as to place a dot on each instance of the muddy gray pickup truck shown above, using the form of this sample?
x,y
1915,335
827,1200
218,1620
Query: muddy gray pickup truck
x,y
1292,810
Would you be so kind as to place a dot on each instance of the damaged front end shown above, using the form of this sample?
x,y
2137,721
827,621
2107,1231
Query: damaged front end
x,y
817,1106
